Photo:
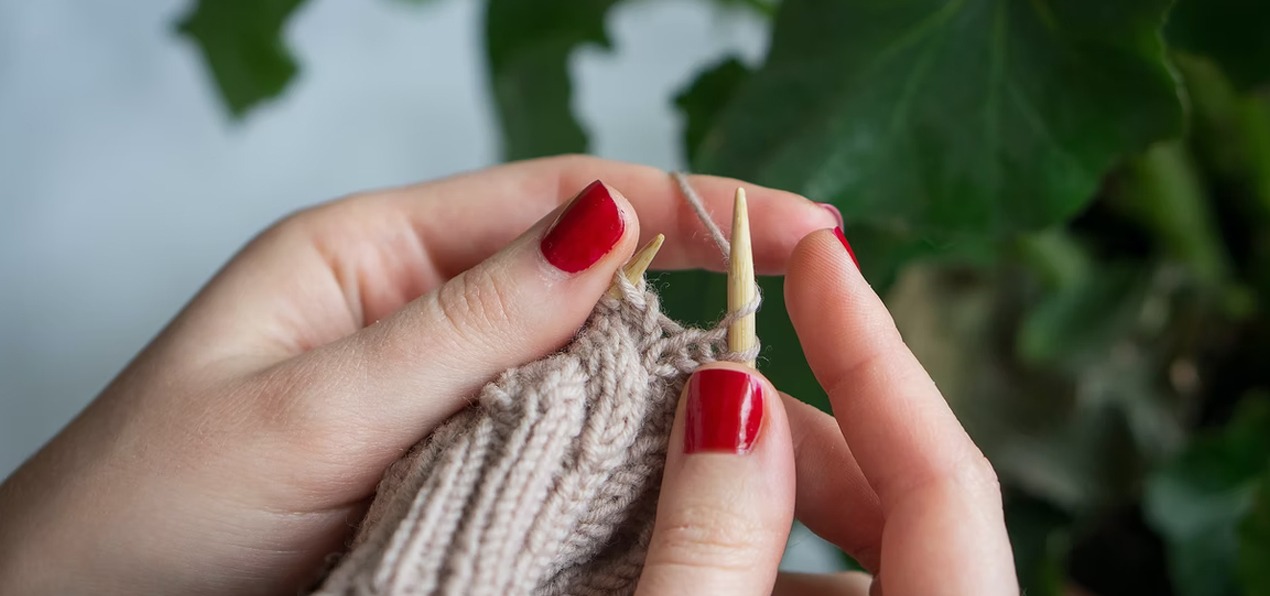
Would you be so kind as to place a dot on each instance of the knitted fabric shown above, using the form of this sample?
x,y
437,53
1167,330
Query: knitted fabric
x,y
548,483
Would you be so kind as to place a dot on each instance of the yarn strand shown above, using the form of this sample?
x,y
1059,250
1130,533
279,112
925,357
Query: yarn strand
x,y
699,207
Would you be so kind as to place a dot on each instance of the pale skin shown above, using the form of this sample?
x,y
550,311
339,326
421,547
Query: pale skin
x,y
239,448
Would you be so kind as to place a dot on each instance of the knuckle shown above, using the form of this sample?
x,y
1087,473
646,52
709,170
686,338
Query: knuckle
x,y
278,395
274,411
710,537
569,161
978,476
315,220
988,475
287,402
881,342
314,215
289,228
332,212
476,304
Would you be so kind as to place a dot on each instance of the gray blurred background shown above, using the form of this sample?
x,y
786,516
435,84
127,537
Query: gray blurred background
x,y
124,186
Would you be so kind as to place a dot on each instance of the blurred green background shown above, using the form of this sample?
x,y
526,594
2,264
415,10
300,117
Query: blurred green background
x,y
1066,205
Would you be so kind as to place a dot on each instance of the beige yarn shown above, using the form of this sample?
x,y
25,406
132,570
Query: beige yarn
x,y
548,483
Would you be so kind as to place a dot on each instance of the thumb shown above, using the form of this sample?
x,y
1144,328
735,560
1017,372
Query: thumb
x,y
398,379
727,495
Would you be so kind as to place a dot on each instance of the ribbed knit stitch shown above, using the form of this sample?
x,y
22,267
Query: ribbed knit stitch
x,y
548,483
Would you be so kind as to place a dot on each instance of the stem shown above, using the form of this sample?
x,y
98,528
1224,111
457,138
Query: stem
x,y
1055,256
1253,117
1162,190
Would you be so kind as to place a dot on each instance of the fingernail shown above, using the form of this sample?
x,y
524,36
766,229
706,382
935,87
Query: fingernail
x,y
587,230
833,210
847,245
724,411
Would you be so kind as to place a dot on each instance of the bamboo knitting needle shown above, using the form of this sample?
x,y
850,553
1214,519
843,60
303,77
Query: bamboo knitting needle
x,y
741,333
635,268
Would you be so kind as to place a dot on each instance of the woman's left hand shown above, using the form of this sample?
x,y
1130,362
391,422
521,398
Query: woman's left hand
x,y
239,448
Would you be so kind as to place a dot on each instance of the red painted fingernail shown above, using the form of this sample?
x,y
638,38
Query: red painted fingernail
x,y
724,411
587,230
833,210
847,245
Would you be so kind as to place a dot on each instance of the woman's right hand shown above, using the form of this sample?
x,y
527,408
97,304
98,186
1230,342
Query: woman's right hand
x,y
891,477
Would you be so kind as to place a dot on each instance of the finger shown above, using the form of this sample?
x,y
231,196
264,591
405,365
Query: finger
x,y
521,191
727,493
391,383
834,499
850,583
328,271
944,529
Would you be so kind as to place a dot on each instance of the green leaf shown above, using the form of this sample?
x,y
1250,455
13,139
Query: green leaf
x,y
1162,190
1077,433
766,8
1230,132
1093,312
1088,304
1232,32
701,101
1230,139
241,41
1197,501
970,116
1254,542
883,254
694,297
528,43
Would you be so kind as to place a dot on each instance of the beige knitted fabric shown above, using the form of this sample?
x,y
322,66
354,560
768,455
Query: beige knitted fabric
x,y
548,483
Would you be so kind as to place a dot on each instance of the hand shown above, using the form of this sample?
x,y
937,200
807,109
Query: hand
x,y
240,447
891,477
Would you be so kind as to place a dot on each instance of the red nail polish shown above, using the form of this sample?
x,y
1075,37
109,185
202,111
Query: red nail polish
x,y
587,230
847,245
833,210
724,411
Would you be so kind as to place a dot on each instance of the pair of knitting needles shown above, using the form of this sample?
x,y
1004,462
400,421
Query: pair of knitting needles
x,y
741,332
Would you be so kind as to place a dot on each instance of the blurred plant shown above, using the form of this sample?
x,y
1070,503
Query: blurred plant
x,y
1067,205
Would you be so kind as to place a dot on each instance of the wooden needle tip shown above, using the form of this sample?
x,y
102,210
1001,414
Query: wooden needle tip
x,y
741,289
635,268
